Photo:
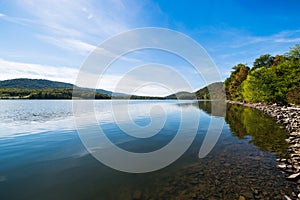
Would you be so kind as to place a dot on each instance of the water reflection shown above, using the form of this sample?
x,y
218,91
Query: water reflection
x,y
54,164
249,123
214,108
264,132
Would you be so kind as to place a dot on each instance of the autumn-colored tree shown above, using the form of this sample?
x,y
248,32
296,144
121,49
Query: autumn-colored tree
x,y
233,83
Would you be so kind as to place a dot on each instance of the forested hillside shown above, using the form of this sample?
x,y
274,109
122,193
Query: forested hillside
x,y
24,83
271,79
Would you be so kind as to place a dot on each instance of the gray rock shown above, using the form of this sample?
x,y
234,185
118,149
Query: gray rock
x,y
281,166
294,176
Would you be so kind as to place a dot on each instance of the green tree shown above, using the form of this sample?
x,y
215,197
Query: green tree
x,y
294,52
258,86
271,85
263,61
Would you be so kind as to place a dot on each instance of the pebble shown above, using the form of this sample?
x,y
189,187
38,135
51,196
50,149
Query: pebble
x,y
294,176
282,166
242,198
287,198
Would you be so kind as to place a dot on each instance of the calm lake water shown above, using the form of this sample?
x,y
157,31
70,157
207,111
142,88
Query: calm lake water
x,y
42,157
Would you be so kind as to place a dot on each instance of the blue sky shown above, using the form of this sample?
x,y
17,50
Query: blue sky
x,y
51,39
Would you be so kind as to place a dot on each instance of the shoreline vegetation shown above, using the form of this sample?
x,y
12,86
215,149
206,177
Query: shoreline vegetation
x,y
272,79
272,86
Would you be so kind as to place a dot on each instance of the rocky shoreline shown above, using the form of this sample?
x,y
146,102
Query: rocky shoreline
x,y
289,118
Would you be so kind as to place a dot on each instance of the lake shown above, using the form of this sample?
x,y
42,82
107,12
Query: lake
x,y
42,156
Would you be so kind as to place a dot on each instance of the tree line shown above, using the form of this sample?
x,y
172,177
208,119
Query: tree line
x,y
59,93
50,93
271,79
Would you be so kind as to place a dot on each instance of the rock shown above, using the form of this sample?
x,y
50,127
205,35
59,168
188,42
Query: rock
x,y
282,166
294,176
242,197
255,191
287,198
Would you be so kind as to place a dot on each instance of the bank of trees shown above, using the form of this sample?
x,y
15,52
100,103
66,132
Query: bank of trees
x,y
272,79
57,93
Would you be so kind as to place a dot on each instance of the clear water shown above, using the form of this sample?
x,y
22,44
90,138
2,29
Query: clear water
x,y
42,157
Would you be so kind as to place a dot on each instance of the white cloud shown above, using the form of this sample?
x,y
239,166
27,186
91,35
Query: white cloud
x,y
77,22
286,40
73,45
290,36
11,70
80,19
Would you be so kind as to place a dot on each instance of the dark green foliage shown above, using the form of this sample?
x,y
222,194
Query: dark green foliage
x,y
263,61
17,93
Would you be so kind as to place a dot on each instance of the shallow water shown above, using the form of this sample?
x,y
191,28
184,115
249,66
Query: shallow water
x,y
42,156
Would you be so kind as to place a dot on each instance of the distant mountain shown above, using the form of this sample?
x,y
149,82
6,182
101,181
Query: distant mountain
x,y
110,93
212,91
181,95
24,83
35,84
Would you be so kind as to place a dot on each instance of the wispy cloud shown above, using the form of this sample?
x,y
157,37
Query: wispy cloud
x,y
82,23
80,19
11,70
73,45
286,40
241,38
